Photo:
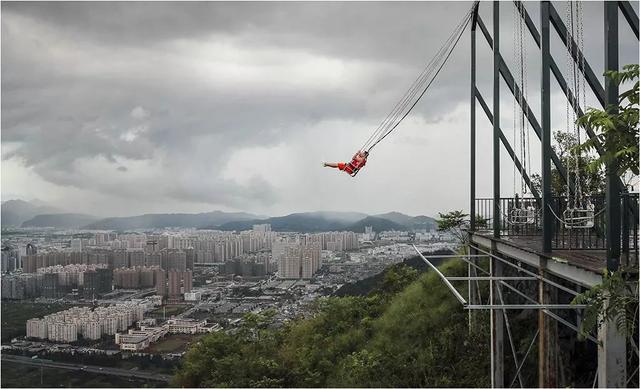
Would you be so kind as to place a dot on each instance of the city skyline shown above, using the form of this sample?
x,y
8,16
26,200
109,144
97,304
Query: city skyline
x,y
118,109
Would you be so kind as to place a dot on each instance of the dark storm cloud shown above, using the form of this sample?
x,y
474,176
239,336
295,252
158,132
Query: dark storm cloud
x,y
115,96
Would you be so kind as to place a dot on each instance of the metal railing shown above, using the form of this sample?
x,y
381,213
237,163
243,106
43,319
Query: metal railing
x,y
523,217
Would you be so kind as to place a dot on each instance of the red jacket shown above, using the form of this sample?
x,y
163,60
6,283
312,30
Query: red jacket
x,y
355,165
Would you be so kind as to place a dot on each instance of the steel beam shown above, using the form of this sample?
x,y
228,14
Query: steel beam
x,y
590,76
548,312
547,151
442,277
558,74
495,307
472,135
626,9
630,15
524,359
496,118
613,189
612,366
543,279
508,147
488,278
511,344
506,74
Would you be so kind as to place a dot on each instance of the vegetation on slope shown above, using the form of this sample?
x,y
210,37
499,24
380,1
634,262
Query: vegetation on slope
x,y
410,332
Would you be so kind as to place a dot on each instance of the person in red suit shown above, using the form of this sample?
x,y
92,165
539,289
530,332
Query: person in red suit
x,y
357,162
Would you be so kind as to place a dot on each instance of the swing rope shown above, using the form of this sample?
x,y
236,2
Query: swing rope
x,y
420,86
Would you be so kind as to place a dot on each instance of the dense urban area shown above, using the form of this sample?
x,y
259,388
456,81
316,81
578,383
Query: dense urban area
x,y
127,305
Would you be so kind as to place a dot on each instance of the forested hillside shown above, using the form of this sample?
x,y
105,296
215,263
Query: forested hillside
x,y
409,332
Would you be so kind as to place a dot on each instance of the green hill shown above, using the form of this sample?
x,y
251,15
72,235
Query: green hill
x,y
371,284
60,220
407,332
164,220
334,221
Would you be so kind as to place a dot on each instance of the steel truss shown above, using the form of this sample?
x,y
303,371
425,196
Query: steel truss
x,y
611,349
502,281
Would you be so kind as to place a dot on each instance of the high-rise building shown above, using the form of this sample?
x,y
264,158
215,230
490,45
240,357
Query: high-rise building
x,y
173,259
187,281
262,227
10,260
178,283
120,258
173,284
189,257
50,286
97,282
289,265
300,260
136,258
76,244
160,281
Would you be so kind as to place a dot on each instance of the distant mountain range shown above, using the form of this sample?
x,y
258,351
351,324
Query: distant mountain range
x,y
16,212
164,220
19,213
335,221
61,220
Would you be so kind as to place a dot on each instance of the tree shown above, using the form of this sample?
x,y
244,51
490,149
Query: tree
x,y
616,127
591,177
615,300
454,222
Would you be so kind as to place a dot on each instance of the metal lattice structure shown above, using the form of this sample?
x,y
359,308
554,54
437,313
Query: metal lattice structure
x,y
553,257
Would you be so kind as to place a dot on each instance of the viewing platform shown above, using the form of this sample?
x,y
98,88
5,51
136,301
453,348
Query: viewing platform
x,y
574,250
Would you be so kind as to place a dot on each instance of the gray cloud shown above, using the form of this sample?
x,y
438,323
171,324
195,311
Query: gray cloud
x,y
151,101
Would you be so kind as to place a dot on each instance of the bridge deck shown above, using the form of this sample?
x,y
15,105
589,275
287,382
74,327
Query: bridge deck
x,y
591,260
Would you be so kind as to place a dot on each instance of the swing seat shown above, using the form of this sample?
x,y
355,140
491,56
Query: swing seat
x,y
577,218
523,215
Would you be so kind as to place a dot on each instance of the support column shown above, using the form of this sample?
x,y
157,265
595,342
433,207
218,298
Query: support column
x,y
472,168
612,363
472,151
547,216
611,95
612,357
548,339
497,324
496,119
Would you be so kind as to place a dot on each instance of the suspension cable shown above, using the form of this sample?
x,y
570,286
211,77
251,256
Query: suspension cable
x,y
418,88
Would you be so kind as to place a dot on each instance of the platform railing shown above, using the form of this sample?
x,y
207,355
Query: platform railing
x,y
522,217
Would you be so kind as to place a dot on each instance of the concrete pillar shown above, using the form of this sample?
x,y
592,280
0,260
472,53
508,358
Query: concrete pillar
x,y
612,357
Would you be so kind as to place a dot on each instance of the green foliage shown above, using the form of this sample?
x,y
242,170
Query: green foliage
x,y
410,332
615,300
590,176
616,127
453,222
481,222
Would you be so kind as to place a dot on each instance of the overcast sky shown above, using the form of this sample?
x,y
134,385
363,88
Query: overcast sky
x,y
130,108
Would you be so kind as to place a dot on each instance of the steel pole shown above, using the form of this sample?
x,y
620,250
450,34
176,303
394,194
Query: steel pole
x,y
472,151
547,216
611,95
496,119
